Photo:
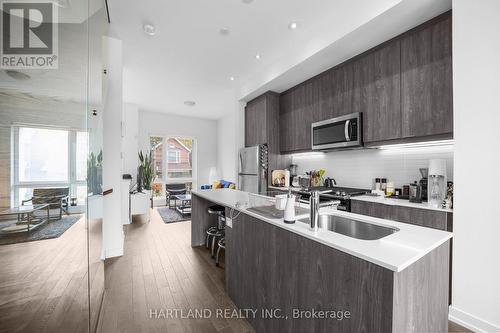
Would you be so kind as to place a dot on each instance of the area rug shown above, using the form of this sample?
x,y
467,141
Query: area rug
x,y
171,215
52,229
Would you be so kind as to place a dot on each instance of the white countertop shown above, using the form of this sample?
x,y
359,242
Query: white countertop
x,y
395,252
399,202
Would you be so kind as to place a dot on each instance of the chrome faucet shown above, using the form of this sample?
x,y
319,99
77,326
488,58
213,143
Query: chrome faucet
x,y
314,211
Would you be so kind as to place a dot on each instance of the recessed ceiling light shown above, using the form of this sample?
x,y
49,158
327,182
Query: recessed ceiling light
x,y
292,25
224,31
247,1
231,78
149,29
189,103
257,56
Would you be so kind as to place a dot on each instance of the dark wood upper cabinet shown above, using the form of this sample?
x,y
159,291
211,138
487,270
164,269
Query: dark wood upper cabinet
x,y
262,122
296,113
403,87
377,77
255,122
426,80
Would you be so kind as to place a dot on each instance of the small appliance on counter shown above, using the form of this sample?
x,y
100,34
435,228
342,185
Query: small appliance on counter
x,y
437,182
415,192
330,182
423,182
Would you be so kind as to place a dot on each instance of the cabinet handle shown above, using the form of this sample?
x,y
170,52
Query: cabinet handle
x,y
346,130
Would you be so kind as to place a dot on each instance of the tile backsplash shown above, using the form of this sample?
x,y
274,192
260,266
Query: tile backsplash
x,y
359,168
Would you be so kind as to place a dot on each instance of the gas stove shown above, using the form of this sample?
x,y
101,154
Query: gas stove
x,y
343,194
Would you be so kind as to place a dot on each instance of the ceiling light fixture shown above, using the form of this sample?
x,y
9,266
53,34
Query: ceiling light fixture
x,y
149,29
292,25
231,78
189,103
257,56
224,31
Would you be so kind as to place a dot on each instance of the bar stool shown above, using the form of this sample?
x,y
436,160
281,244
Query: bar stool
x,y
222,245
218,231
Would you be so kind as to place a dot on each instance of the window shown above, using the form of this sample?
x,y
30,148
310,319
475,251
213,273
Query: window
x,y
174,156
173,161
47,157
156,144
180,158
43,155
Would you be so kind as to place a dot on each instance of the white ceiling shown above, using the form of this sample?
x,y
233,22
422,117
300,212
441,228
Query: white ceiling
x,y
188,59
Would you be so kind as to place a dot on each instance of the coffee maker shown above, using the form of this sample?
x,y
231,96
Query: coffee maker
x,y
423,182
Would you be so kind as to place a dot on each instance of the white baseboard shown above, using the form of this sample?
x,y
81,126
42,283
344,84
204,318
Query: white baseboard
x,y
471,322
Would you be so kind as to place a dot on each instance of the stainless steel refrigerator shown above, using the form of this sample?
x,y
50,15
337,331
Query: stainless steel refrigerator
x,y
252,169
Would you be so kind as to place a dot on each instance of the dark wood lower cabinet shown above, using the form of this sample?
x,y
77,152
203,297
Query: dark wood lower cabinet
x,y
422,217
269,268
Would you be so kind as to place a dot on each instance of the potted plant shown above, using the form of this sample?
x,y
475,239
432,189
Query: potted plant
x,y
94,174
147,171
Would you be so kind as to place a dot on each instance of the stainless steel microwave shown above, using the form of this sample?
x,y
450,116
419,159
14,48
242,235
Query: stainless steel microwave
x,y
336,133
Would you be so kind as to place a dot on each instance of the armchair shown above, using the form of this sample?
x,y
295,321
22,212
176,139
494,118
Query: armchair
x,y
174,189
57,198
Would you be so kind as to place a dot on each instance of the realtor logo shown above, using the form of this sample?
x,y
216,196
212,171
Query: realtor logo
x,y
29,35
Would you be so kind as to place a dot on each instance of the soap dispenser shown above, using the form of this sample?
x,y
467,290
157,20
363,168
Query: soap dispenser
x,y
290,208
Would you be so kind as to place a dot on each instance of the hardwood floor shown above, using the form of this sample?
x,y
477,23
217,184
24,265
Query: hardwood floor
x,y
43,284
160,270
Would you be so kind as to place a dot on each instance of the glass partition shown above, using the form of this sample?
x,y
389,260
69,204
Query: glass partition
x,y
51,267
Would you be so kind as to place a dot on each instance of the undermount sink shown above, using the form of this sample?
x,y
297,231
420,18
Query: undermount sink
x,y
353,228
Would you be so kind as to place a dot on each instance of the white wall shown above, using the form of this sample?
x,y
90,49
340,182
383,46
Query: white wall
x,y
203,130
359,168
476,223
130,143
227,147
112,165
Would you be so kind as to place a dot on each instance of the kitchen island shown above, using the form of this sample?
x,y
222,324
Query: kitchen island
x,y
291,274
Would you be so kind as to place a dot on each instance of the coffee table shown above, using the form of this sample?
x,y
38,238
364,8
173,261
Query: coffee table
x,y
185,208
26,219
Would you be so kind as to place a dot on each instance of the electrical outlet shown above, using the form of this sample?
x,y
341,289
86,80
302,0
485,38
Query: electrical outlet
x,y
229,222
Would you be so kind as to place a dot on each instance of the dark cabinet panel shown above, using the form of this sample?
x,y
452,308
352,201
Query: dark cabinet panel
x,y
426,80
296,114
287,130
417,216
377,75
255,122
262,126
271,268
